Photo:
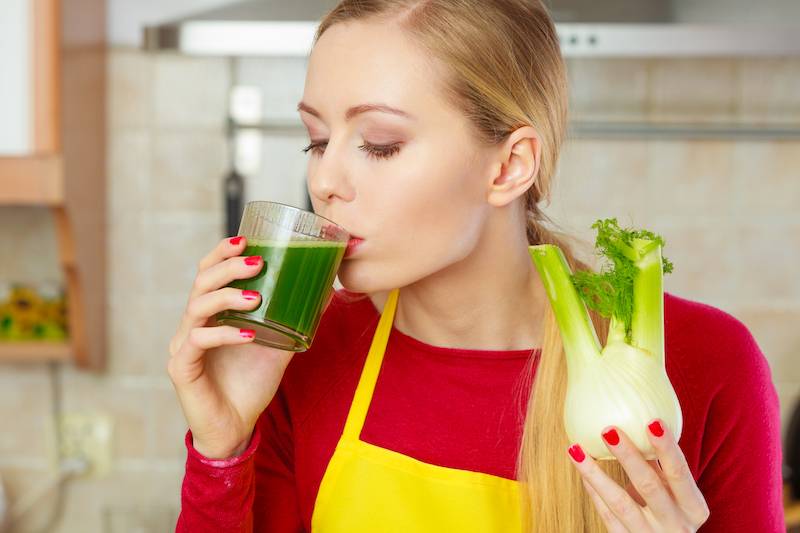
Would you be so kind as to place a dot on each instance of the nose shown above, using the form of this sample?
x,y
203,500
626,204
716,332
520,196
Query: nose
x,y
328,178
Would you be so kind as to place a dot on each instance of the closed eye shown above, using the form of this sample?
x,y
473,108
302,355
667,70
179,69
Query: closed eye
x,y
377,151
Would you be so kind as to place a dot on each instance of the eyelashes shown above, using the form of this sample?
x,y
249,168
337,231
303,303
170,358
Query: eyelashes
x,y
376,151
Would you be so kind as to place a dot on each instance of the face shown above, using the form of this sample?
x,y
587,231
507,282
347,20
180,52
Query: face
x,y
411,183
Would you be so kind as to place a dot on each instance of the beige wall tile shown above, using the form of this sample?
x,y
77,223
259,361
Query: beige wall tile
x,y
281,81
133,501
769,90
188,171
177,242
130,89
141,333
128,406
191,92
777,333
25,404
283,172
132,340
129,171
693,90
28,246
130,262
601,178
767,176
18,482
690,179
607,89
767,256
169,426
704,260
170,312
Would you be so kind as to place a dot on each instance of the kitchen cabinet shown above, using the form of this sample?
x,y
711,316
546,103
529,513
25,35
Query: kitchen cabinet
x,y
28,59
52,154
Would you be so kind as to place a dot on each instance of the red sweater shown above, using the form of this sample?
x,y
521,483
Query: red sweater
x,y
464,409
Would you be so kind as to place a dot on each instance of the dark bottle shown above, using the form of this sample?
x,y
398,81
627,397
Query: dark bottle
x,y
234,202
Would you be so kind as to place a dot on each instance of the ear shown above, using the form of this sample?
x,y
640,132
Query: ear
x,y
516,166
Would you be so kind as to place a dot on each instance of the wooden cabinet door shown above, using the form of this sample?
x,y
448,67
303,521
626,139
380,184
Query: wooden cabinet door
x,y
29,36
16,105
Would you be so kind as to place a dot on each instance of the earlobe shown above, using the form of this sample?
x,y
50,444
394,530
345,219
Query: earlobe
x,y
506,189
518,169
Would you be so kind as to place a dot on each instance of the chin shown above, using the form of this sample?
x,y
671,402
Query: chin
x,y
358,276
356,279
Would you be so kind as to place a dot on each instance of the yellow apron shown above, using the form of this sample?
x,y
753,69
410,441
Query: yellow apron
x,y
371,489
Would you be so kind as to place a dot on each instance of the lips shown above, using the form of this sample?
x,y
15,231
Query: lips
x,y
352,246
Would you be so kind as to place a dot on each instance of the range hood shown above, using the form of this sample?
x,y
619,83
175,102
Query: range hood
x,y
613,28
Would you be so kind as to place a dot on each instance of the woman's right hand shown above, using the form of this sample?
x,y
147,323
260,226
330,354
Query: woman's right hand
x,y
223,380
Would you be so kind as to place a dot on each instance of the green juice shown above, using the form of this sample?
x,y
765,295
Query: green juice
x,y
294,284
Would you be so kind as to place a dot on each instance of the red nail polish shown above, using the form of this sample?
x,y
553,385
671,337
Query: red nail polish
x,y
252,260
250,295
611,436
577,453
656,428
247,333
235,240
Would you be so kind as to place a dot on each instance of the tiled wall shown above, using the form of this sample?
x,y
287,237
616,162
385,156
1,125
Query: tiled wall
x,y
727,209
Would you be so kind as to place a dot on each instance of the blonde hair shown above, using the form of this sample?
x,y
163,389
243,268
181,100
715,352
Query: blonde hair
x,y
504,70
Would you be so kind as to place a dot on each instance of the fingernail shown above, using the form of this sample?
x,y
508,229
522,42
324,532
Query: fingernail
x,y
250,295
577,453
247,333
252,260
656,428
235,240
611,436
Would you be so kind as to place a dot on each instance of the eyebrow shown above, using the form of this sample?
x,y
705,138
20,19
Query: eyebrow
x,y
357,110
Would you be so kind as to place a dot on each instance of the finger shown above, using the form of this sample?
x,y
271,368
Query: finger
x,y
221,274
677,473
201,308
645,480
612,523
190,354
617,499
632,490
224,249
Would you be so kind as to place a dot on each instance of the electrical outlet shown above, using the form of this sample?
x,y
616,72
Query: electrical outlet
x,y
82,436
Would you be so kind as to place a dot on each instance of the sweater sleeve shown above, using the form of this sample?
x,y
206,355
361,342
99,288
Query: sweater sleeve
x,y
741,447
251,493
217,495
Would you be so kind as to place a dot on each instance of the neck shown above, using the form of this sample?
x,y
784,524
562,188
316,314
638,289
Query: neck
x,y
491,300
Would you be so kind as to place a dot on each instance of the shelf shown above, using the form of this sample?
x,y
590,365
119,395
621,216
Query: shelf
x,y
34,351
31,181
65,172
597,129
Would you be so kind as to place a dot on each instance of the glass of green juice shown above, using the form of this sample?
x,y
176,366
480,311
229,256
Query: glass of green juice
x,y
302,252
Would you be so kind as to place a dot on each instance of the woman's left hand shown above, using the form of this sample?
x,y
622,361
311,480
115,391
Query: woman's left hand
x,y
661,497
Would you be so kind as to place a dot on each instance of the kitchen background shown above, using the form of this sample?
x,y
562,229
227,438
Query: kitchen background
x,y
727,205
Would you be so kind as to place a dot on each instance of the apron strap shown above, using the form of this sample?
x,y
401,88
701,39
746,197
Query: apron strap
x,y
369,374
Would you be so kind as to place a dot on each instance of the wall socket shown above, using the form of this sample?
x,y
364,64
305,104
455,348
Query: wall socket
x,y
82,435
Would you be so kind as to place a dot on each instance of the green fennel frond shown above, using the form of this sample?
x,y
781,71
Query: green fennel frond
x,y
610,291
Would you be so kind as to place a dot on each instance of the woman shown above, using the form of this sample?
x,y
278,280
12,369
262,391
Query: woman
x,y
435,129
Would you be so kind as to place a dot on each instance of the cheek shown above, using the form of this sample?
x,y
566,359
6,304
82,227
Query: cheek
x,y
428,214
442,207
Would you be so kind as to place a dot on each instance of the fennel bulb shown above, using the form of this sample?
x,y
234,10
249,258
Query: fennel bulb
x,y
623,383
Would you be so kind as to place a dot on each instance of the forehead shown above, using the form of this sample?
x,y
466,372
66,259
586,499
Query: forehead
x,y
358,62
